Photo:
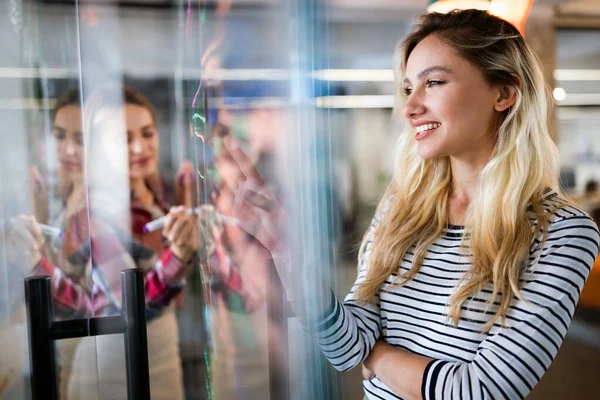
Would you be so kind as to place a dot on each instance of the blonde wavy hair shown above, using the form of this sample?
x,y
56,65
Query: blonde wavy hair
x,y
523,166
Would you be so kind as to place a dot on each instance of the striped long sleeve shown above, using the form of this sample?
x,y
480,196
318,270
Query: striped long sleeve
x,y
348,334
468,363
510,362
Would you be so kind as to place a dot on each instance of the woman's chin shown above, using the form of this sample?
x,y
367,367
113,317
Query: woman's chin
x,y
141,173
69,176
136,174
427,153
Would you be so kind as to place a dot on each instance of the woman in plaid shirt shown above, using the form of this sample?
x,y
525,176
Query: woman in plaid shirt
x,y
103,235
104,238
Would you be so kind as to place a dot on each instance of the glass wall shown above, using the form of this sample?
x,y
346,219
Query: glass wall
x,y
119,117
114,116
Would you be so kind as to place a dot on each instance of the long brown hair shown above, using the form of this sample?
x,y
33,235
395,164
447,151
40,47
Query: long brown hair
x,y
71,97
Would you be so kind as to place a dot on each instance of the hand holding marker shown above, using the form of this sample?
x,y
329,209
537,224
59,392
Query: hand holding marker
x,y
203,210
50,230
47,230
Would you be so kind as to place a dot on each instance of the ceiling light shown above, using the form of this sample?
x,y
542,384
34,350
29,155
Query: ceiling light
x,y
577,74
513,11
354,75
367,101
444,6
559,94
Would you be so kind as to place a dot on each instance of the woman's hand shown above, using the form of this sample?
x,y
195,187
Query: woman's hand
x,y
400,370
370,363
24,242
367,374
253,204
181,230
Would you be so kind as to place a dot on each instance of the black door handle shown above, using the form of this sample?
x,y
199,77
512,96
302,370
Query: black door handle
x,y
43,331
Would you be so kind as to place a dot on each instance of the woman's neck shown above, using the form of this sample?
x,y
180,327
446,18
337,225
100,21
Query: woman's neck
x,y
466,178
463,190
76,195
466,168
139,191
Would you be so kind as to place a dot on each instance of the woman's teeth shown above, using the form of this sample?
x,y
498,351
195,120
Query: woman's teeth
x,y
426,127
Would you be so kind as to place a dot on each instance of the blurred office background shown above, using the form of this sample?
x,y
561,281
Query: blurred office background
x,y
306,88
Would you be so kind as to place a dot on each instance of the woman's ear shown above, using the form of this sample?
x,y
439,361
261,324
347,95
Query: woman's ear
x,y
507,95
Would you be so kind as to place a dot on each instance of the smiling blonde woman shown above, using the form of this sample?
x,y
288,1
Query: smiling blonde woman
x,y
473,265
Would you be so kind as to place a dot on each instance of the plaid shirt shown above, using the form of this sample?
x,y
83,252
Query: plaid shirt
x,y
162,284
100,250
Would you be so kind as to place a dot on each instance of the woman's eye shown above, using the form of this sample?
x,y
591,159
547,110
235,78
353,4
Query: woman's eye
x,y
432,82
148,135
59,135
407,91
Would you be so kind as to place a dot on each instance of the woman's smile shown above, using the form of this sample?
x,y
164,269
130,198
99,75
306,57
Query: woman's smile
x,y
141,161
426,129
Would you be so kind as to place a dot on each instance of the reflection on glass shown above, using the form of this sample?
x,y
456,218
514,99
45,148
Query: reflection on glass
x,y
126,193
92,163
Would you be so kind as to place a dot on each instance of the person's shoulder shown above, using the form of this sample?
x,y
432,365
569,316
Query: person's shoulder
x,y
568,246
567,219
562,209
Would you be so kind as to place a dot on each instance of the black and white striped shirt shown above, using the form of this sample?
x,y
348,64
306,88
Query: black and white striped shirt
x,y
505,363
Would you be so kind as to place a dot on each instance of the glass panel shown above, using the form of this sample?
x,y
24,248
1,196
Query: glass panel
x,y
106,161
45,225
126,115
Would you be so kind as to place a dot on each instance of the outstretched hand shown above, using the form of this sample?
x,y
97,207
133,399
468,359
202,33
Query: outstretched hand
x,y
253,203
262,216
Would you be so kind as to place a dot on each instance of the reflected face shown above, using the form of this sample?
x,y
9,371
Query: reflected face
x,y
68,133
449,103
142,141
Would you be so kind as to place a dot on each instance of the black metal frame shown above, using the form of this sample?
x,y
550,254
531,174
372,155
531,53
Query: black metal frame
x,y
43,331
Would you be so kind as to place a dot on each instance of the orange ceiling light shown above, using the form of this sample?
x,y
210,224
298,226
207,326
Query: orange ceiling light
x,y
513,11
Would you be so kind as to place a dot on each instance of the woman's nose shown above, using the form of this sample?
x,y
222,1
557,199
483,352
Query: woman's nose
x,y
70,148
413,106
136,146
